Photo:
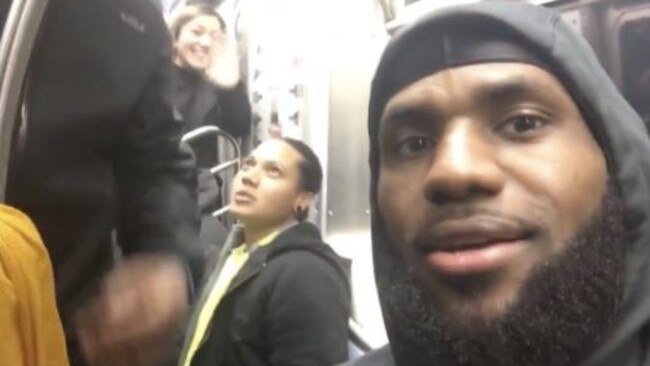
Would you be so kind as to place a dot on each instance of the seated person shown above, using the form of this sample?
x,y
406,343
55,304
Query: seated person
x,y
279,296
30,327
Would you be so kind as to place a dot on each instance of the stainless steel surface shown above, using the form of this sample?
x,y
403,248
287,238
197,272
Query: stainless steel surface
x,y
209,130
15,50
223,166
347,223
220,212
348,175
235,163
357,336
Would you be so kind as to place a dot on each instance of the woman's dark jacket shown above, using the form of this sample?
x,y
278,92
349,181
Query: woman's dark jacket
x,y
288,306
200,103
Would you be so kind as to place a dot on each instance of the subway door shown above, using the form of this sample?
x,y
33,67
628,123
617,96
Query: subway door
x,y
619,32
354,44
628,26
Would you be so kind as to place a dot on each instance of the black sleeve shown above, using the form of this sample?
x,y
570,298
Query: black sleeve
x,y
156,178
308,312
235,111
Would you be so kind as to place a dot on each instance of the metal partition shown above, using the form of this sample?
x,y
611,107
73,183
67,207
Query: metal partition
x,y
233,164
347,226
18,37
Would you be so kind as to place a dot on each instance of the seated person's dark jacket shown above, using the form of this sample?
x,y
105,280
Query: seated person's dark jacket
x,y
288,306
99,147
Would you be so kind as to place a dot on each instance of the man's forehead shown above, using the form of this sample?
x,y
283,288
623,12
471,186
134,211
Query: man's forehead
x,y
489,81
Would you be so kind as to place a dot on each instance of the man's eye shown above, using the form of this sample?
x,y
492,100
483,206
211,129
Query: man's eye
x,y
412,146
523,124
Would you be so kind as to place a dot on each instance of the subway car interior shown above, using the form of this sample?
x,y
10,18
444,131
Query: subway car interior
x,y
306,67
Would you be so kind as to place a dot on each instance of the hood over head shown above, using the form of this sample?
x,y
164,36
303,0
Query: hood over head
x,y
505,31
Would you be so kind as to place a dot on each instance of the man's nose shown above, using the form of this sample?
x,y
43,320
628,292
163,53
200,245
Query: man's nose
x,y
465,165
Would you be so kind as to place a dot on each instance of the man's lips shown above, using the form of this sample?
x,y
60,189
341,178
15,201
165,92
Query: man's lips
x,y
473,245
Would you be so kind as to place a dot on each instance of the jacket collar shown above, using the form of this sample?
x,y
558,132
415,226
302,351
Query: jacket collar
x,y
283,242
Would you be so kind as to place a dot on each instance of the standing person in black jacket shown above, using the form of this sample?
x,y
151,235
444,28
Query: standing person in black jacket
x,y
97,149
208,90
279,296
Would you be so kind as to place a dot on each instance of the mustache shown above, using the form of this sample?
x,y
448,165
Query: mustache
x,y
462,212
584,282
447,223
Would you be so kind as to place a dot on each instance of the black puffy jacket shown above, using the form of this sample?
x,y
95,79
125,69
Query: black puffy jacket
x,y
98,147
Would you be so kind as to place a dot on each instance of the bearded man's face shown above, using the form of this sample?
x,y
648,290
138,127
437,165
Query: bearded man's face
x,y
494,197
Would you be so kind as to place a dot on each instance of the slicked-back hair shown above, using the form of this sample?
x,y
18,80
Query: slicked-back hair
x,y
311,172
190,12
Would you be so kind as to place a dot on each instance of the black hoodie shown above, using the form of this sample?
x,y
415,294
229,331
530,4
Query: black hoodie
x,y
287,306
617,128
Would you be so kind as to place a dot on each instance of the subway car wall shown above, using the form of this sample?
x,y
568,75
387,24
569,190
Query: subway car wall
x,y
619,32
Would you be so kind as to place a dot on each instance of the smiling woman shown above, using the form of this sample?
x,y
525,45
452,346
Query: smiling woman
x,y
196,32
207,90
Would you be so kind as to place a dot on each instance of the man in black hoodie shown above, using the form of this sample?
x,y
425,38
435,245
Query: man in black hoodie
x,y
510,195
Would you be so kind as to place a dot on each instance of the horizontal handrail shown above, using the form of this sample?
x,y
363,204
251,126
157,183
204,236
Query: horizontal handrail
x,y
203,131
207,130
223,166
221,211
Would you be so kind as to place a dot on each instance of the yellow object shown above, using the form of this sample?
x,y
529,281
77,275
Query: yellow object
x,y
30,329
231,267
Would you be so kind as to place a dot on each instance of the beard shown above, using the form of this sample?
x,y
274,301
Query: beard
x,y
563,310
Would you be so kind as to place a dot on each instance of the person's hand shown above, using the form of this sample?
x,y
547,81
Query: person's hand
x,y
224,66
138,315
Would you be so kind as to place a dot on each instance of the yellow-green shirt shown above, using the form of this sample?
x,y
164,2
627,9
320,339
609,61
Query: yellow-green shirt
x,y
231,267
